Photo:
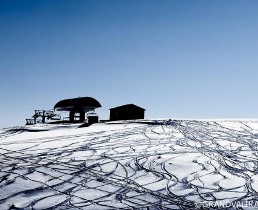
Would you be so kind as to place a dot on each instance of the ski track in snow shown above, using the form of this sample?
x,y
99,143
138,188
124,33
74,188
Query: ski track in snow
x,y
166,165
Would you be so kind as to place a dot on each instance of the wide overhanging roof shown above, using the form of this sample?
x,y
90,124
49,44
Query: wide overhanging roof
x,y
77,104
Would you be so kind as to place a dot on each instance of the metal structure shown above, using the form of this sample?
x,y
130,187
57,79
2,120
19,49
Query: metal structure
x,y
40,116
77,107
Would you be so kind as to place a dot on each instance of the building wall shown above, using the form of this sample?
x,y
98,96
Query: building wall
x,y
126,114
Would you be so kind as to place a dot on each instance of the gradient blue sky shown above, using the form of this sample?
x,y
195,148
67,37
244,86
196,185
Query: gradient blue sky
x,y
182,59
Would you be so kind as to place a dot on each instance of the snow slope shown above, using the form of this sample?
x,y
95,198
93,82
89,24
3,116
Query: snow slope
x,y
176,164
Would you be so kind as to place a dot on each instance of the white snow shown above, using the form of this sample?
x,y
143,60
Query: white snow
x,y
175,164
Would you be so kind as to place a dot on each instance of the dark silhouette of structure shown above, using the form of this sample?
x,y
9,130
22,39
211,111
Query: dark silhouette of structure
x,y
40,116
77,107
126,112
92,118
81,108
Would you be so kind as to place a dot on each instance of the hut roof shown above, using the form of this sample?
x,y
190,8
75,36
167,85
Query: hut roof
x,y
77,104
128,106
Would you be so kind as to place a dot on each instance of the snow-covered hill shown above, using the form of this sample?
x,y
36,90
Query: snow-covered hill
x,y
176,164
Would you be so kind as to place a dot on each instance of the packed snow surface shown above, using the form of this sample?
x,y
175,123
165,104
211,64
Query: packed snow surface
x,y
174,164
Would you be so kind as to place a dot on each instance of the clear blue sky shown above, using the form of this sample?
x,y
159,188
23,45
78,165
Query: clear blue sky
x,y
182,59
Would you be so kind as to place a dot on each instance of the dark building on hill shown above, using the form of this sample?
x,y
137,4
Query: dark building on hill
x,y
126,112
77,107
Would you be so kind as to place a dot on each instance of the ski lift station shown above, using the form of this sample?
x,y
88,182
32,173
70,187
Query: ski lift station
x,y
77,107
82,110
